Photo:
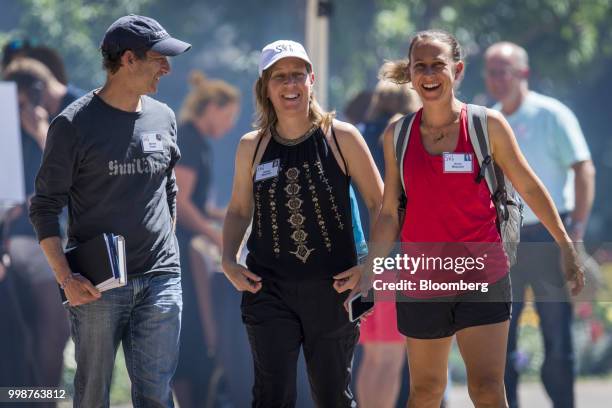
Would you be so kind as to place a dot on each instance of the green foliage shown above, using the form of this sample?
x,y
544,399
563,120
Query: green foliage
x,y
566,39
75,27
569,43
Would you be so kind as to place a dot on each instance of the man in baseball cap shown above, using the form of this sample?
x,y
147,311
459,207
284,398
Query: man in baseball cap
x,y
135,51
141,33
110,157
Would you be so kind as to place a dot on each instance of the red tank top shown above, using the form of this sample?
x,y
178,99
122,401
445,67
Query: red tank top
x,y
448,215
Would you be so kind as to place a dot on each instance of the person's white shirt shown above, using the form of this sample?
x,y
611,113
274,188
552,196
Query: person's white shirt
x,y
550,137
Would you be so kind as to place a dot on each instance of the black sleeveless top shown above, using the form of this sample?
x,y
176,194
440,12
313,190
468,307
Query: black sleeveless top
x,y
302,226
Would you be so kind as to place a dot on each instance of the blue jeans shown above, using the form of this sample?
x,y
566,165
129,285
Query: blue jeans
x,y
145,315
539,267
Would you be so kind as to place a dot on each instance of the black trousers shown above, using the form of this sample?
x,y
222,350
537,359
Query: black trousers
x,y
281,318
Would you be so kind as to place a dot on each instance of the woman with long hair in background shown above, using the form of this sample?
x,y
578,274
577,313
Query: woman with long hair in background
x,y
208,113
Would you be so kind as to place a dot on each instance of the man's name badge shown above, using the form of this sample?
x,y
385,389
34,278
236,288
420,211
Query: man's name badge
x,y
267,170
458,162
152,142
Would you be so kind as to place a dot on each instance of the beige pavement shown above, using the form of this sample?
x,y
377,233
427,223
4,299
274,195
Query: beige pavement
x,y
589,394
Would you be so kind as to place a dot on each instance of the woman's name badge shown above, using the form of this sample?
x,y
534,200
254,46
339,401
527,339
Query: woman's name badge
x,y
267,170
458,162
152,142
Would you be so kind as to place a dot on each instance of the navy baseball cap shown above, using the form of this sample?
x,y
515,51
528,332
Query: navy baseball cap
x,y
140,32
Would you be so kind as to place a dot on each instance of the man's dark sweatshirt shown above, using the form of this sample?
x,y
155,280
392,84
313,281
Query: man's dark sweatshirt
x,y
115,171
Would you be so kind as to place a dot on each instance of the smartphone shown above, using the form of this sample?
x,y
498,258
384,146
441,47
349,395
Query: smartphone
x,y
358,306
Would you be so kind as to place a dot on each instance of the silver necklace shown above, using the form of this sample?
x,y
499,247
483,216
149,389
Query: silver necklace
x,y
292,142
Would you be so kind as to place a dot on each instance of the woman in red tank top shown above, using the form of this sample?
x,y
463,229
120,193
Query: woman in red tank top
x,y
446,209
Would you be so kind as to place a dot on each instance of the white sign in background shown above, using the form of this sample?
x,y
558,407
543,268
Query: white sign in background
x,y
12,188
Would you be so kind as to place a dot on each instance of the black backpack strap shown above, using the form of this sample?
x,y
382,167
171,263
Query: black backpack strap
x,y
401,137
477,125
477,122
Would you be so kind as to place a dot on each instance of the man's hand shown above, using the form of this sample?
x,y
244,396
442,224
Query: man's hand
x,y
572,269
80,291
241,277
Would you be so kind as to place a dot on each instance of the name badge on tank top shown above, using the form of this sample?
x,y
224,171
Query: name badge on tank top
x,y
267,170
458,162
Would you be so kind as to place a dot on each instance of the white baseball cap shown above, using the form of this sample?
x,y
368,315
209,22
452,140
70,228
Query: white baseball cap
x,y
278,50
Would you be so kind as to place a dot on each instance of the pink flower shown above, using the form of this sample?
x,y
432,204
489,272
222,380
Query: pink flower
x,y
584,310
597,330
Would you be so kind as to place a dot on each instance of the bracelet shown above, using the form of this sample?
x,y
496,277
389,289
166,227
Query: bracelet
x,y
66,280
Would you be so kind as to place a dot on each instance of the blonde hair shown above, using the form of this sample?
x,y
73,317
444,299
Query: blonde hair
x,y
265,115
390,98
203,92
399,71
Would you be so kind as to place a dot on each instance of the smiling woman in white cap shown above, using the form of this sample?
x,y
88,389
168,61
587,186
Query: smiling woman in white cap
x,y
292,184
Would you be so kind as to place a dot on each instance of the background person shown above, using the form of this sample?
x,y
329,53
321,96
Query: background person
x,y
208,113
357,107
40,98
549,135
379,378
388,100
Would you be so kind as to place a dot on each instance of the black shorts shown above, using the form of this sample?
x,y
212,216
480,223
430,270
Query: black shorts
x,y
435,319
